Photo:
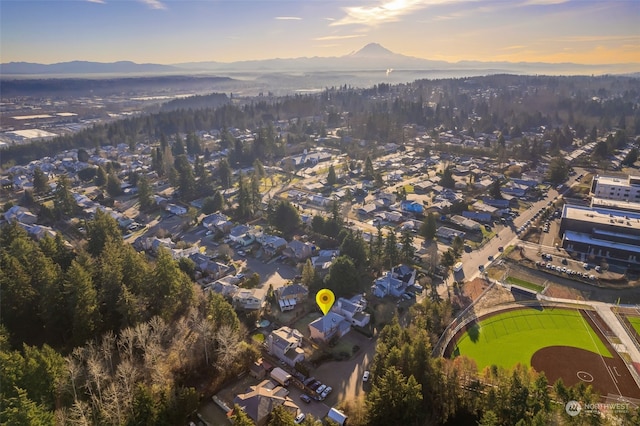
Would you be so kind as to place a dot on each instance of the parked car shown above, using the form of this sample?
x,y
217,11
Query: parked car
x,y
321,389
300,418
326,392
365,376
306,398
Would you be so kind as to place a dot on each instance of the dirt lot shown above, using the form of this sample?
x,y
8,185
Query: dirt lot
x,y
474,289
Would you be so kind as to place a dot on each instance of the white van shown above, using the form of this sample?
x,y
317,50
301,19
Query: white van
x,y
457,267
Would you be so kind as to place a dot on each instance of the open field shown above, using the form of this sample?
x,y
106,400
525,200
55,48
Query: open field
x,y
515,336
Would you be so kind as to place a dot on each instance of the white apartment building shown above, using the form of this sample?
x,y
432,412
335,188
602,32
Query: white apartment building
x,y
615,188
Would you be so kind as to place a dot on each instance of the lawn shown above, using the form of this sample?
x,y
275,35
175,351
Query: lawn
x,y
526,284
635,322
487,235
513,337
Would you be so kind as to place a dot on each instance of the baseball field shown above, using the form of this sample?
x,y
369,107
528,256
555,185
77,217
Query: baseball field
x,y
563,343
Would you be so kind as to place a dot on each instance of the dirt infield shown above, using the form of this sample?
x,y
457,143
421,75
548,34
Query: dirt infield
x,y
573,365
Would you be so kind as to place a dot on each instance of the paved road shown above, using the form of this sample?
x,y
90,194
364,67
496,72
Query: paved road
x,y
505,237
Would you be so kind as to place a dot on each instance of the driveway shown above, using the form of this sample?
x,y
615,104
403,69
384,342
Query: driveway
x,y
345,377
275,273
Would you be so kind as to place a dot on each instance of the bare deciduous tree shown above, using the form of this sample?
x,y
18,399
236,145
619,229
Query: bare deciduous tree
x,y
228,346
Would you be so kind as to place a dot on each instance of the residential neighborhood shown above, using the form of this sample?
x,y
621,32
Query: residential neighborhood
x,y
255,221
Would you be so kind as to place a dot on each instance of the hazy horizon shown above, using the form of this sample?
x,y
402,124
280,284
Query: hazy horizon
x,y
172,32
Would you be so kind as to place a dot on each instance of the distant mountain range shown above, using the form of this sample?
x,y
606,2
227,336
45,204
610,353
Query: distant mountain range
x,y
84,67
371,57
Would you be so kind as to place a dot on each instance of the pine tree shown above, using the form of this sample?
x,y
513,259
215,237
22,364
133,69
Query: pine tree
x,y
331,176
391,250
224,173
114,186
40,181
101,176
145,194
63,200
408,250
243,210
82,303
369,173
429,227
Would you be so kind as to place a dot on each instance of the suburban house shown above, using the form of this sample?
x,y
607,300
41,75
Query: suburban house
x,y
298,250
259,369
477,216
395,282
290,295
385,199
38,231
271,245
327,326
411,207
323,261
285,344
155,244
448,234
259,401
367,209
319,200
394,217
515,189
238,232
217,222
176,209
206,265
465,223
20,214
250,299
353,310
484,207
225,286
499,204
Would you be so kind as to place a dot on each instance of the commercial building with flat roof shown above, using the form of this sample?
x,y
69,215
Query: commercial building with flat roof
x,y
629,206
616,188
594,234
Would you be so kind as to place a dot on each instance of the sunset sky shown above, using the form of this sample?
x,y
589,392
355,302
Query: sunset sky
x,y
175,31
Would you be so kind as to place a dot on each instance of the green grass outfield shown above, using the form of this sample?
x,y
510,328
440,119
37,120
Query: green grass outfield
x,y
513,337
635,322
